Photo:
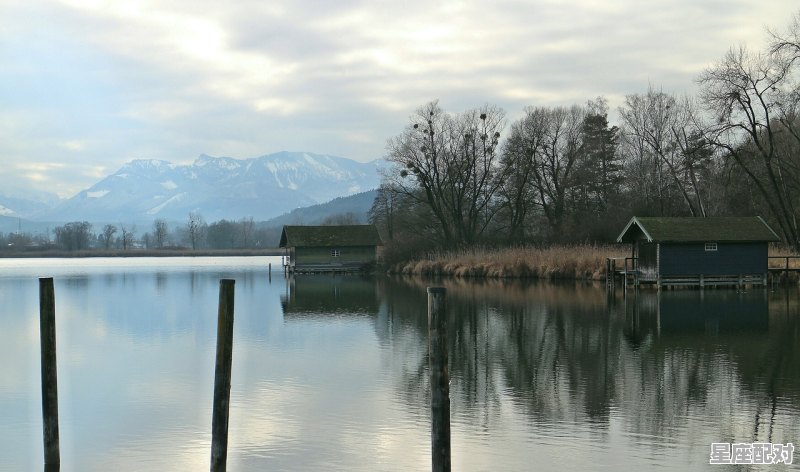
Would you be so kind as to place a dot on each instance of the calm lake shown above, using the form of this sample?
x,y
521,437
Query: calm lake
x,y
330,373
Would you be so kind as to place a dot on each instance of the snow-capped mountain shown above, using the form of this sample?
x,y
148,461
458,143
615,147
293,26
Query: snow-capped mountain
x,y
218,187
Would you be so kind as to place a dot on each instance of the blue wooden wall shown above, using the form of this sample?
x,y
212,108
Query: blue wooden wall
x,y
728,259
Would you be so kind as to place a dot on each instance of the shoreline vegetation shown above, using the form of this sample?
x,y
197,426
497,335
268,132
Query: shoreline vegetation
x,y
567,262
172,252
579,262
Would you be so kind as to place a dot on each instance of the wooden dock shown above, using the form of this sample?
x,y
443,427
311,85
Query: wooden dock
x,y
325,269
623,271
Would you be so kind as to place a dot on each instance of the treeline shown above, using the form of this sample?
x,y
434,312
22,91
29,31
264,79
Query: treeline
x,y
195,234
20,241
565,174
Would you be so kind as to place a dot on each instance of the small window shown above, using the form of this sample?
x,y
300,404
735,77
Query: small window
x,y
711,246
335,253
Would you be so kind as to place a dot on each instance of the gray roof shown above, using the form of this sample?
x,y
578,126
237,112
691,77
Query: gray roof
x,y
330,236
688,229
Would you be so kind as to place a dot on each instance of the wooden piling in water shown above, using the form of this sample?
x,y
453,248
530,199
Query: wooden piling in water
x,y
440,380
222,377
47,334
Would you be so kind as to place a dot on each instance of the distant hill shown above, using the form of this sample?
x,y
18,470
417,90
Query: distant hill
x,y
357,205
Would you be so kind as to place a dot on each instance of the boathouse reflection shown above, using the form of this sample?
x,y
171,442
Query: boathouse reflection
x,y
326,296
700,312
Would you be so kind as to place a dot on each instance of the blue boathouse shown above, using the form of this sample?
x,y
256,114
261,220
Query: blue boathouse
x,y
699,251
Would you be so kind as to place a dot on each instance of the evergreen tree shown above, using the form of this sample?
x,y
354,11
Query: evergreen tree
x,y
601,168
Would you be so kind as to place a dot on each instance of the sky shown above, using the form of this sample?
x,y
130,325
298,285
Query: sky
x,y
88,85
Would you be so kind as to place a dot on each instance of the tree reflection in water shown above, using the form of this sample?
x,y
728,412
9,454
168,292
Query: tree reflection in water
x,y
676,366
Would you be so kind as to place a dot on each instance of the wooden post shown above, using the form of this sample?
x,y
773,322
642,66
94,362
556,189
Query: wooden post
x,y
47,333
222,377
269,271
625,272
440,380
786,277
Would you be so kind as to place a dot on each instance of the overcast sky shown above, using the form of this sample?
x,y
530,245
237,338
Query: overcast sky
x,y
87,85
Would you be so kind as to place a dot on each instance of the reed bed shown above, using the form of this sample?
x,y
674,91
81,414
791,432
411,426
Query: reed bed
x,y
586,262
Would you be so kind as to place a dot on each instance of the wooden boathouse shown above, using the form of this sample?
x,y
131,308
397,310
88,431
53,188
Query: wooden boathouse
x,y
699,251
345,248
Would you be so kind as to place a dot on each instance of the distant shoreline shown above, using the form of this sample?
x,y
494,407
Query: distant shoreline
x,y
57,253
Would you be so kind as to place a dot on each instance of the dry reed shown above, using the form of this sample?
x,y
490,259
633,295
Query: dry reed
x,y
585,262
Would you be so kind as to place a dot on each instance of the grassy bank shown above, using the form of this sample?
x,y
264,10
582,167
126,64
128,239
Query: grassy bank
x,y
586,262
582,262
142,253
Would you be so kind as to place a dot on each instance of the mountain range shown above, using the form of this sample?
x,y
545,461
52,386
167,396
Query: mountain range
x,y
215,187
21,202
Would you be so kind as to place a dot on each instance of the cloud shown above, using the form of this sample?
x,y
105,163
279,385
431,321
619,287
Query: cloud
x,y
75,145
171,80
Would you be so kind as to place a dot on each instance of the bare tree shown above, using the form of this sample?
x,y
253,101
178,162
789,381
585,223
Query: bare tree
x,y
108,234
406,224
544,146
128,235
382,213
785,49
74,236
195,228
665,126
744,93
160,232
248,231
521,154
222,234
452,159
787,43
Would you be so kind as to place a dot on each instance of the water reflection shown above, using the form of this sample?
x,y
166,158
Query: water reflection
x,y
331,373
323,296
723,360
700,312
687,364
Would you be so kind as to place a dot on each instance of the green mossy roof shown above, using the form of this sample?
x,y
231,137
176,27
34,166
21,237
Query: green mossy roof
x,y
330,236
716,229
